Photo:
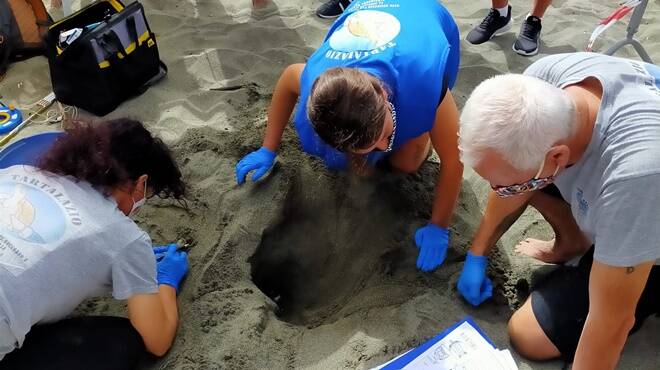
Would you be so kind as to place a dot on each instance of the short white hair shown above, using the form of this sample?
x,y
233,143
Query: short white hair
x,y
520,117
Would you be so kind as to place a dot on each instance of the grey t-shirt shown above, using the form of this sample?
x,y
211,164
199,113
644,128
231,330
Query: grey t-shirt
x,y
61,242
614,189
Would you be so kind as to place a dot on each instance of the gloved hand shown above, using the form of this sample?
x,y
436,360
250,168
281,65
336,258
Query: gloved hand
x,y
172,267
473,283
432,241
260,161
159,251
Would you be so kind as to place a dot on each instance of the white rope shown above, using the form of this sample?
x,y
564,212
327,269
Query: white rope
x,y
57,114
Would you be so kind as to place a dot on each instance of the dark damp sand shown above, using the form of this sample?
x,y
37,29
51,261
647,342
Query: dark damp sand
x,y
334,257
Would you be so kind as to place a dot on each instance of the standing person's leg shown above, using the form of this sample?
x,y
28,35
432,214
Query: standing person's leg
x,y
500,4
100,343
539,8
496,22
527,43
259,3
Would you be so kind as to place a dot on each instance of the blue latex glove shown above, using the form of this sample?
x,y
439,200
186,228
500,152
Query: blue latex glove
x,y
159,251
259,161
172,267
432,241
473,283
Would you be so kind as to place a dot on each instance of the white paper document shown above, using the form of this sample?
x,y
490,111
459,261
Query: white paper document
x,y
464,348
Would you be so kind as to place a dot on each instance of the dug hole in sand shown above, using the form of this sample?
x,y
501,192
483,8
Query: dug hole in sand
x,y
309,269
323,270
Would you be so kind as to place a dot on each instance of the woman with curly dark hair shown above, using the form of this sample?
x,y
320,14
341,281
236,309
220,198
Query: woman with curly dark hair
x,y
66,235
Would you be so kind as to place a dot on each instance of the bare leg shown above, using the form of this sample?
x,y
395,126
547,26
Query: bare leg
x,y
412,154
540,7
500,3
569,240
259,3
528,337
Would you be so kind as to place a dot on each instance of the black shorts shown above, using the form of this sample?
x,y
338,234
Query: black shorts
x,y
79,343
560,301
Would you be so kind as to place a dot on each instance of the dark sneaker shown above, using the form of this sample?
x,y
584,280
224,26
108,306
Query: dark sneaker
x,y
332,8
493,25
527,42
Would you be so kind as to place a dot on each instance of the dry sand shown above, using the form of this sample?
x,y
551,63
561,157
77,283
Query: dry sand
x,y
336,254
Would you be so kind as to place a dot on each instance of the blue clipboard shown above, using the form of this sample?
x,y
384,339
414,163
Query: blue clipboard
x,y
404,360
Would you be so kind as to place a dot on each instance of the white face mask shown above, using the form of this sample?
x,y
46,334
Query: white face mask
x,y
137,205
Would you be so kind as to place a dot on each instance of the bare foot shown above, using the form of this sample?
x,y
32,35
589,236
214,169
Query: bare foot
x,y
541,250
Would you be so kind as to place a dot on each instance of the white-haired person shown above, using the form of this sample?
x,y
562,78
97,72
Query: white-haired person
x,y
577,137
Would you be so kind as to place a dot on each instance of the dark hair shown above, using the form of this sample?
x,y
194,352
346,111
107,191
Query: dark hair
x,y
112,153
347,108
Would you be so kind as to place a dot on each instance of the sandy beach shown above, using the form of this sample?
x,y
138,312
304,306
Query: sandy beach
x,y
312,269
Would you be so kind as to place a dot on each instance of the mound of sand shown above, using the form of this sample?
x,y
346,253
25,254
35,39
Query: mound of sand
x,y
312,269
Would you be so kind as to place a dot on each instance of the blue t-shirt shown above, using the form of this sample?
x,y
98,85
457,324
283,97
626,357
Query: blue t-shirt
x,y
412,46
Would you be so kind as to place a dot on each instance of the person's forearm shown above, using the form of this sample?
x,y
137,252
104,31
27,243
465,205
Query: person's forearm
x,y
279,112
601,342
446,193
614,293
167,295
499,215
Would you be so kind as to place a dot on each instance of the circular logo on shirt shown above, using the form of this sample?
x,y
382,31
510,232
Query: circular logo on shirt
x,y
365,30
654,71
29,214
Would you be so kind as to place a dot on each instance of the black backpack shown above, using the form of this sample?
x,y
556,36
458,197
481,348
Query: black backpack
x,y
116,60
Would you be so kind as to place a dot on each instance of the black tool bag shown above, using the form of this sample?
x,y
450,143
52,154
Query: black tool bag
x,y
110,62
